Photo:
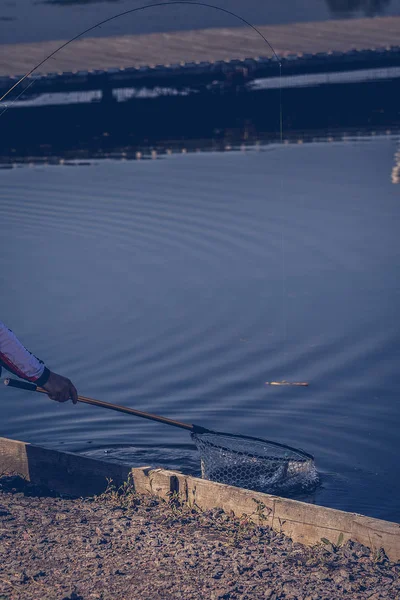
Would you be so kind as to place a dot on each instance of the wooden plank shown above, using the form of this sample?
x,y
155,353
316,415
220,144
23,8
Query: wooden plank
x,y
13,458
302,522
376,534
63,472
306,523
201,45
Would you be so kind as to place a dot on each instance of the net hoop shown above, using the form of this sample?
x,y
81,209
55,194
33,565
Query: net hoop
x,y
303,456
254,463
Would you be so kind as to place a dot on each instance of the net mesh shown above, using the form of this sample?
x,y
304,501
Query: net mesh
x,y
254,464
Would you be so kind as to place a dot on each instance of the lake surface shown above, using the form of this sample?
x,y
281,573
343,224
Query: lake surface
x,y
181,285
39,20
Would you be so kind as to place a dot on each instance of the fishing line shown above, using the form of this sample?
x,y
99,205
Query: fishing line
x,y
139,8
284,312
6,107
159,4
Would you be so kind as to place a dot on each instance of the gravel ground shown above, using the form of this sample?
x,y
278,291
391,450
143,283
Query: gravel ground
x,y
123,546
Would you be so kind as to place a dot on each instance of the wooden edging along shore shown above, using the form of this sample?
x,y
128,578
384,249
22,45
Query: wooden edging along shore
x,y
76,475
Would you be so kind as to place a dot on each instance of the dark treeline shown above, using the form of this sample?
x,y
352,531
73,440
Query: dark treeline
x,y
369,7
340,7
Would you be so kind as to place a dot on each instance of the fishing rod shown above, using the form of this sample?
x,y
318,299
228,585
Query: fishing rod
x,y
130,11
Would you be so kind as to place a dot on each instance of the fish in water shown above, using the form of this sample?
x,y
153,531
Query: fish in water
x,y
300,383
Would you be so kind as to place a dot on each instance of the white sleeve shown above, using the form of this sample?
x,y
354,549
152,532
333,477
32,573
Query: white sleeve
x,y
18,360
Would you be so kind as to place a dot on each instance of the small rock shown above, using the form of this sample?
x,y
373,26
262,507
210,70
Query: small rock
x,y
220,594
320,575
217,574
39,574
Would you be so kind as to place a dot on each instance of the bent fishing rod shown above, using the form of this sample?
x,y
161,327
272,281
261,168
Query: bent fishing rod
x,y
130,11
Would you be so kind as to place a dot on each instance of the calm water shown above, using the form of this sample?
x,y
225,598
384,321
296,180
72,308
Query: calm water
x,y
181,285
38,20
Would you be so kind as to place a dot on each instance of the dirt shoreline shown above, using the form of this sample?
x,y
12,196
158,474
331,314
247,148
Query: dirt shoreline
x,y
124,546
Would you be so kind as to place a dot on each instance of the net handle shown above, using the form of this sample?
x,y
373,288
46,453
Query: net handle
x,y
24,385
194,429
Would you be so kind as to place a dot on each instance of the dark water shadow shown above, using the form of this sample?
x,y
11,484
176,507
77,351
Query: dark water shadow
x,y
70,2
337,7
345,8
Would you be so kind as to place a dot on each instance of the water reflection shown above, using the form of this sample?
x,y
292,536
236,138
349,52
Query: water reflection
x,y
396,168
230,140
340,7
67,2
43,20
370,8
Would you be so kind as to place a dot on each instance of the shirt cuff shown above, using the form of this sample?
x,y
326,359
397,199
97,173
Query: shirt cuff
x,y
43,378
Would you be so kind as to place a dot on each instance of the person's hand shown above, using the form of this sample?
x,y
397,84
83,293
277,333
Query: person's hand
x,y
60,388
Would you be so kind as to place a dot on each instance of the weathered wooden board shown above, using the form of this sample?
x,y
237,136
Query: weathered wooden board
x,y
302,522
306,523
201,45
62,472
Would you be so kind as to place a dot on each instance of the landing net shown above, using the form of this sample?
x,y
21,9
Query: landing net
x,y
254,464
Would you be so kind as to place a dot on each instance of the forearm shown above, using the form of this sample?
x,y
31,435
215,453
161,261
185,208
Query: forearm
x,y
17,359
